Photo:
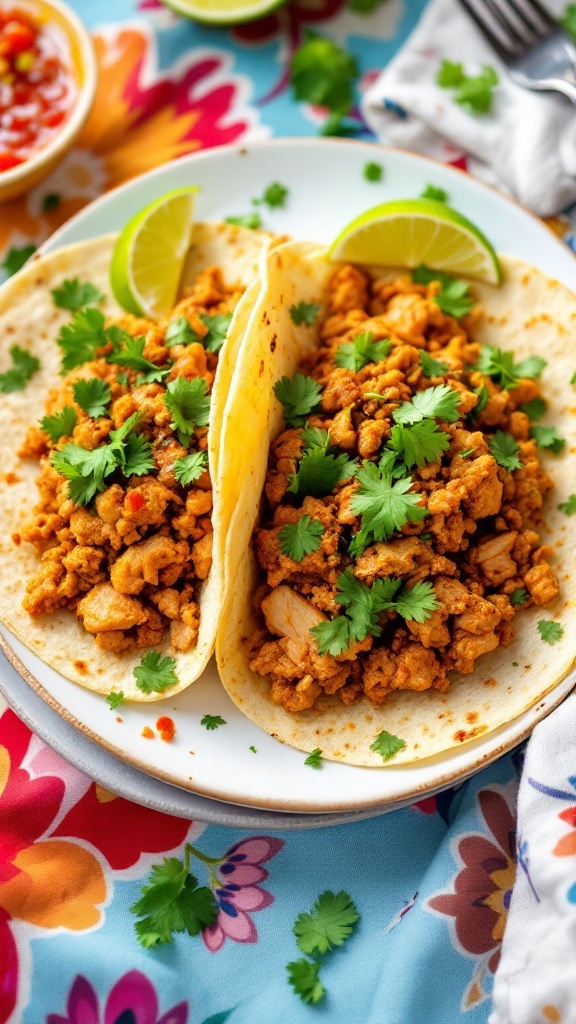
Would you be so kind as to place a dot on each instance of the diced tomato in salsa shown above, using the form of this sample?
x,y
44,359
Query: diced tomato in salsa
x,y
38,85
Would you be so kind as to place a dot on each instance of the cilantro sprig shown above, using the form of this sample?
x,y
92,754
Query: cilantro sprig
x,y
16,258
93,396
502,368
319,471
432,367
211,722
129,351
326,927
518,597
505,450
454,297
354,355
419,443
74,294
24,366
548,438
61,424
180,332
568,507
384,506
439,402
189,403
304,313
314,759
86,470
299,396
386,744
245,220
155,673
300,539
81,338
190,468
274,196
303,976
172,902
323,74
115,699
435,192
475,92
550,631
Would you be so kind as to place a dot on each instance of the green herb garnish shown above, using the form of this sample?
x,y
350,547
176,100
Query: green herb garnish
x,y
305,313
373,171
354,355
172,902
93,396
505,450
299,396
190,468
24,365
551,632
74,294
300,539
314,760
454,297
61,424
189,403
115,699
155,674
387,745
212,721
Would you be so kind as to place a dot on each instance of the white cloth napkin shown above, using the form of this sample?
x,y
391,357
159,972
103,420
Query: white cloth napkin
x,y
526,145
535,981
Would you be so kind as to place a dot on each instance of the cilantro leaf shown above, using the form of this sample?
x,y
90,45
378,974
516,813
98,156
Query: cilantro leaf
x,y
218,326
417,602
373,171
432,367
569,506
73,294
548,437
363,604
439,402
573,378
212,721
314,759
568,20
93,396
51,201
518,597
384,506
171,902
318,472
483,396
61,424
85,470
465,453
300,539
245,220
387,745
330,923
450,75
419,443
354,355
24,365
299,396
128,351
534,409
303,977
433,192
550,631
16,258
505,450
179,332
81,338
155,673
138,458
274,195
305,313
454,297
189,403
323,74
500,366
190,468
314,437
115,699
332,637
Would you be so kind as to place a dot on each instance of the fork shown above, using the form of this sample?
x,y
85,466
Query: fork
x,y
537,52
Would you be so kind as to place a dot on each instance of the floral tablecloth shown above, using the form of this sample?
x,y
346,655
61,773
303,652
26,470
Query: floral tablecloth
x,y
432,883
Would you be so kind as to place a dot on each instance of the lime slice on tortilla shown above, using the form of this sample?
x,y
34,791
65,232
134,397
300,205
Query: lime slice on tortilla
x,y
149,254
408,232
223,12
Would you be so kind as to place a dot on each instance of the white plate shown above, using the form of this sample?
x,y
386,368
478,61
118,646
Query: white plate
x,y
327,189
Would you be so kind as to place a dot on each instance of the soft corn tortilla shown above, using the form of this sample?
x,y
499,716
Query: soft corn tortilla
x,y
530,314
29,318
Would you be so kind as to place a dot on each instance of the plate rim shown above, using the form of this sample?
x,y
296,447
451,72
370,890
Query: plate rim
x,y
536,711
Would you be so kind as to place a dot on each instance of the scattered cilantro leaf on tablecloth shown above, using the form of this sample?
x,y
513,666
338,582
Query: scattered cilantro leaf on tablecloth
x,y
548,437
155,673
454,296
74,294
115,699
432,367
472,91
314,759
434,192
303,976
189,403
439,402
212,721
190,468
16,258
387,745
300,539
505,450
354,355
550,631
330,922
518,597
568,506
304,313
93,396
172,902
299,396
61,424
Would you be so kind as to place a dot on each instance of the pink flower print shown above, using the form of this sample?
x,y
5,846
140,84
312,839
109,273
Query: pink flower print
x,y
237,892
132,997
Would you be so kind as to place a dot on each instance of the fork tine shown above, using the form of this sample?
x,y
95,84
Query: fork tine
x,y
505,52
501,12
542,13
528,17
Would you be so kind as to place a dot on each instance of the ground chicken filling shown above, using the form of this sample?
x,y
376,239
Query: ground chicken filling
x,y
129,561
471,547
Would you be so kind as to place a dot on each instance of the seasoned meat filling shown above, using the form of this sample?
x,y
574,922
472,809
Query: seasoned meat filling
x,y
400,536
126,540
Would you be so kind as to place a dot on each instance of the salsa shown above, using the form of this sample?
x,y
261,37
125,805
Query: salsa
x,y
38,85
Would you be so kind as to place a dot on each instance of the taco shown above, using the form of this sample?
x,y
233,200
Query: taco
x,y
399,561
109,525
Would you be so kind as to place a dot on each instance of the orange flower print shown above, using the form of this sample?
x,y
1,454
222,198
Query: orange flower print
x,y
47,878
141,118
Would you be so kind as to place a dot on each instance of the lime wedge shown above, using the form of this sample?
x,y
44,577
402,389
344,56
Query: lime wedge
x,y
149,254
408,232
223,12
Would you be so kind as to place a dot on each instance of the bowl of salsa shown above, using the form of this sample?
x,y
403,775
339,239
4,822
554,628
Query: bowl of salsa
x,y
48,81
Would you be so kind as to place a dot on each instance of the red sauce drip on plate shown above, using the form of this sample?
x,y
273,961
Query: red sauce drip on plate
x,y
166,728
38,85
